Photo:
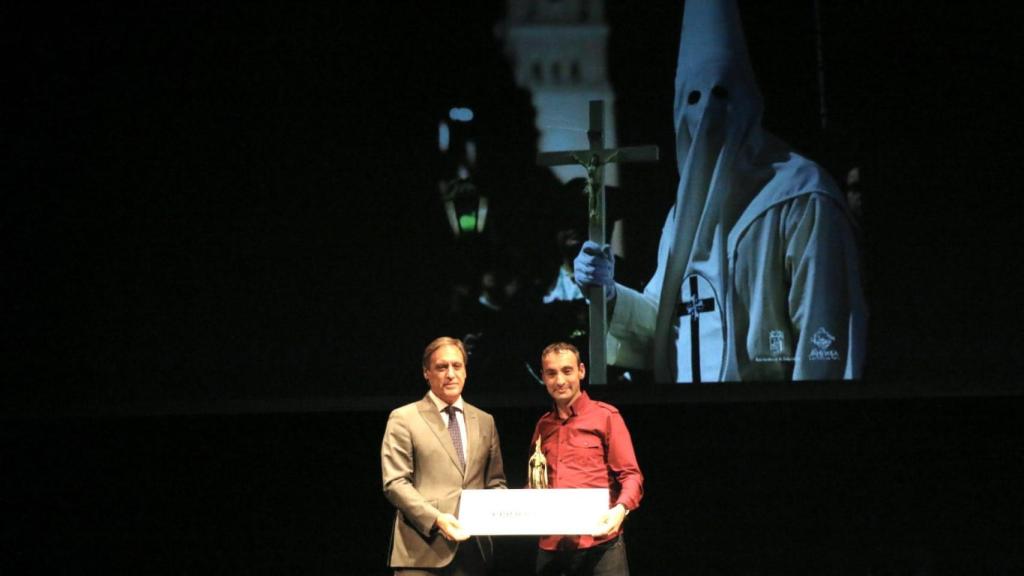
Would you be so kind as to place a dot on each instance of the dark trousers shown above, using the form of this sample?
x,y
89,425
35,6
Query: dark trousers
x,y
472,559
607,559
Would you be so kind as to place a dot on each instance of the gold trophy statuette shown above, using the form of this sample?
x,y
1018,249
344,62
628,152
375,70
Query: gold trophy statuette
x,y
538,468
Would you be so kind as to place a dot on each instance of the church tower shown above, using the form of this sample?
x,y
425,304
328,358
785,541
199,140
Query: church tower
x,y
558,51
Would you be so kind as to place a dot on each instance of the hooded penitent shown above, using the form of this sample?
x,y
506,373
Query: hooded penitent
x,y
758,249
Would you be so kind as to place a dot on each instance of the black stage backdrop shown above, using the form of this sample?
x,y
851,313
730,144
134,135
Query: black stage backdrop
x,y
223,254
859,487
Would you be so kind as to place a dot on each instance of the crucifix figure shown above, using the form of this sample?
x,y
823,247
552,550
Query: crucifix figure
x,y
593,160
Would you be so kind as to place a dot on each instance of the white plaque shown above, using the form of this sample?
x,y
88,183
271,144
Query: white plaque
x,y
532,512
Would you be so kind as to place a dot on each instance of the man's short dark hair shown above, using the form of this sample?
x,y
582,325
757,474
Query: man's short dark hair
x,y
560,347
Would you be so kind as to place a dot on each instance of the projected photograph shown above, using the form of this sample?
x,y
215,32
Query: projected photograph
x,y
261,207
720,254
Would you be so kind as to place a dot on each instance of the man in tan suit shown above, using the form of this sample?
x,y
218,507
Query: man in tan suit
x,y
432,450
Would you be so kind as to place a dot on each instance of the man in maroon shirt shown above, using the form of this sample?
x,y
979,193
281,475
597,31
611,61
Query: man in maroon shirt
x,y
586,445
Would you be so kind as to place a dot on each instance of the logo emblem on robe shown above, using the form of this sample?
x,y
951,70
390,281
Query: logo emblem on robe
x,y
776,342
700,341
823,341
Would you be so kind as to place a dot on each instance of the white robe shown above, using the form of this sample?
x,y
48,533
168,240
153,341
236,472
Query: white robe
x,y
762,234
792,305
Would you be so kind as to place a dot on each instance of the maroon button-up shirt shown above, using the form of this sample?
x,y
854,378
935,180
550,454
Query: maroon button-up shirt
x,y
590,449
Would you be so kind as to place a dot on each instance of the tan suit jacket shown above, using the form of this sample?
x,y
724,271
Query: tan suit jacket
x,y
423,478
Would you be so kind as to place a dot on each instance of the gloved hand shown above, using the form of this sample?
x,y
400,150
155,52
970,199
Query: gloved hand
x,y
595,266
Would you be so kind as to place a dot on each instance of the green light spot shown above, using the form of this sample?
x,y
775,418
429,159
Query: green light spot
x,y
467,222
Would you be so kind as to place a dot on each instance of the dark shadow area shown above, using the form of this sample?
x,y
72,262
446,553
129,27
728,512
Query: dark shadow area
x,y
846,487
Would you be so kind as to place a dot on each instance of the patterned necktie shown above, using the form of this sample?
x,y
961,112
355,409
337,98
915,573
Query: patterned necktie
x,y
453,430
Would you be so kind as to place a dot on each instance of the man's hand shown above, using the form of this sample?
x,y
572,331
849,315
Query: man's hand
x,y
610,521
595,266
450,528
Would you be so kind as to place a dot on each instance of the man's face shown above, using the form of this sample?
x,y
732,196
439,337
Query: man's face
x,y
562,373
446,373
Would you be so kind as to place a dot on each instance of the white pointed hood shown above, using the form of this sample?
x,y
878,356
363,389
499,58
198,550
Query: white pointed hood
x,y
717,114
721,289
713,64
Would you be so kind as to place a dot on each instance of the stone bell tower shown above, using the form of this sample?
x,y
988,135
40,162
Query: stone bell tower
x,y
558,51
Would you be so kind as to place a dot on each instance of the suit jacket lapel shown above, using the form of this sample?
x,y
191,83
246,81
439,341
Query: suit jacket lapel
x,y
475,440
429,413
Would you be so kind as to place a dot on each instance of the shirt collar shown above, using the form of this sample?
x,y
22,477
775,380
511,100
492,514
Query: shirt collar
x,y
581,404
441,405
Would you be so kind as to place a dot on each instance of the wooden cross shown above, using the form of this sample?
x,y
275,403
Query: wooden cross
x,y
593,160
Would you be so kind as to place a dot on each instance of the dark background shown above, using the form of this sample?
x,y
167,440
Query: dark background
x,y
845,487
223,255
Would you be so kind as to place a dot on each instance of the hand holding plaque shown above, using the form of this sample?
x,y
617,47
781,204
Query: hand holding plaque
x,y
451,528
611,521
